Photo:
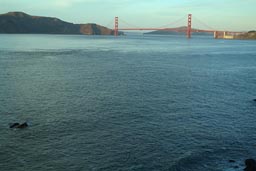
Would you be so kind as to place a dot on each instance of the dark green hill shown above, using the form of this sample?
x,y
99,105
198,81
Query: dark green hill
x,y
19,22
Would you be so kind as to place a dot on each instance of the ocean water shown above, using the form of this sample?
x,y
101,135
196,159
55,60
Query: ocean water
x,y
132,103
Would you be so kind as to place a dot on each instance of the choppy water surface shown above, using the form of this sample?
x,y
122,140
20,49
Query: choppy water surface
x,y
133,103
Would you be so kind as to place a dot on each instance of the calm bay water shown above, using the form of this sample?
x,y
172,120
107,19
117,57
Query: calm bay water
x,y
132,103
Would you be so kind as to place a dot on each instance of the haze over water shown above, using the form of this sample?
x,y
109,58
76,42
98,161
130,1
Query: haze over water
x,y
132,103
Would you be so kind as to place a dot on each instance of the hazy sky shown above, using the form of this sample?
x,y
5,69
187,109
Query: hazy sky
x,y
216,14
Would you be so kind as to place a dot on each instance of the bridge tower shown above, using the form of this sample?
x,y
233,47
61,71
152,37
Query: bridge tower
x,y
189,26
116,26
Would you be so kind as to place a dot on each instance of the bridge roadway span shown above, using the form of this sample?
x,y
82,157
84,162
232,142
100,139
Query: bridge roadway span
x,y
167,29
187,29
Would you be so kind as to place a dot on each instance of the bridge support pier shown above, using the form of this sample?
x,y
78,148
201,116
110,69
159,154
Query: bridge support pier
x,y
215,34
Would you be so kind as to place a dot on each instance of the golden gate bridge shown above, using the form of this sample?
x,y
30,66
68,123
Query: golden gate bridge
x,y
188,30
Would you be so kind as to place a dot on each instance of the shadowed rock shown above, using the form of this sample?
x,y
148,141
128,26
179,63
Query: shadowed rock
x,y
231,161
24,125
14,125
17,125
250,165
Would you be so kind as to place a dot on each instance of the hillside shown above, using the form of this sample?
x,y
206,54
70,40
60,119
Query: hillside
x,y
249,35
180,30
19,22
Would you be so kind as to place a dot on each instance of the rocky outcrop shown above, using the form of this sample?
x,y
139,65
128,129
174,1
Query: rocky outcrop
x,y
18,125
94,29
250,165
22,23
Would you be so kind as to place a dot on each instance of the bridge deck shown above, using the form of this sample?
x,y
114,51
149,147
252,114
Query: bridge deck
x,y
177,30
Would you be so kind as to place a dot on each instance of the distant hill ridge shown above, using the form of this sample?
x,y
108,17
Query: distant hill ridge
x,y
179,30
20,22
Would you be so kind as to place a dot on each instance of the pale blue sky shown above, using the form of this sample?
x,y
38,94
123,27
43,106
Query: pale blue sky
x,y
233,15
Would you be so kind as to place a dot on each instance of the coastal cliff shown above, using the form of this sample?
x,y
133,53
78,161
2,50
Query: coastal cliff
x,y
22,23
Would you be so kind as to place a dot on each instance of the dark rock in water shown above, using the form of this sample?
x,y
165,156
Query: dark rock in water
x,y
18,125
254,100
250,165
14,125
24,125
231,161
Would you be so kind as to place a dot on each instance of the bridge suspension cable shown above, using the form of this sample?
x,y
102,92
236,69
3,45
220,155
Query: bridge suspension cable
x,y
173,23
128,24
188,30
204,24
